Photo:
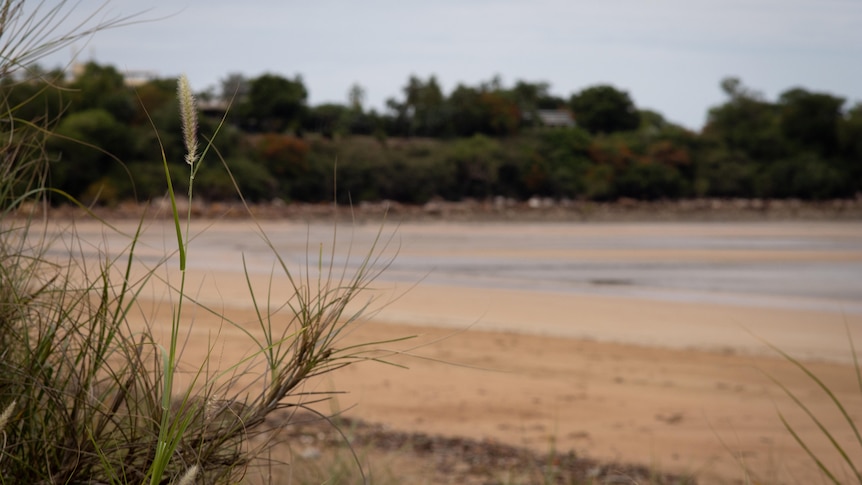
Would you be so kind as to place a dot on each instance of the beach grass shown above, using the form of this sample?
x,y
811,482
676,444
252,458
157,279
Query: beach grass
x,y
86,397
844,465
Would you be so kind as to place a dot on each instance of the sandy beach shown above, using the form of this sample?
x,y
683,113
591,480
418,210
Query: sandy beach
x,y
655,364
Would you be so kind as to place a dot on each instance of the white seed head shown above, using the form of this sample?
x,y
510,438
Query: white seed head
x,y
7,413
189,476
189,118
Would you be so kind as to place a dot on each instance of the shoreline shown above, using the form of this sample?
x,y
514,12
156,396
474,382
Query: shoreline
x,y
682,389
497,209
423,291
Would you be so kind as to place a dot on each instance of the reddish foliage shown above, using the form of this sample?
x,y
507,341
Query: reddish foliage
x,y
666,153
283,154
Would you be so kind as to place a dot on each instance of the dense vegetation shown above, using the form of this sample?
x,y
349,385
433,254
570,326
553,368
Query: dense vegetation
x,y
475,142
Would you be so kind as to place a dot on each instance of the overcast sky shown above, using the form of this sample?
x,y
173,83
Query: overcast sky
x,y
670,55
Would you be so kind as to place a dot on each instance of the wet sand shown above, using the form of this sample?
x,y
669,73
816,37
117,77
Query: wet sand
x,y
645,377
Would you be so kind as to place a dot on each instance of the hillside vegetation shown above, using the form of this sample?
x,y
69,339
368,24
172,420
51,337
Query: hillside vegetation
x,y
477,142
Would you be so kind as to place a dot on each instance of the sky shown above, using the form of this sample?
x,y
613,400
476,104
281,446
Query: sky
x,y
669,55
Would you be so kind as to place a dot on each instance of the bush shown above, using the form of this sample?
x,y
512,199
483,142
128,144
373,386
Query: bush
x,y
86,396
722,173
649,181
87,144
805,177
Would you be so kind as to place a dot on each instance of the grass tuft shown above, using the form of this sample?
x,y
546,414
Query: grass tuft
x,y
91,396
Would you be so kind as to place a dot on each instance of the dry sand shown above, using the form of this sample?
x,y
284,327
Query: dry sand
x,y
678,385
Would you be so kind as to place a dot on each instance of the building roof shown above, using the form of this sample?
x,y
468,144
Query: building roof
x,y
555,117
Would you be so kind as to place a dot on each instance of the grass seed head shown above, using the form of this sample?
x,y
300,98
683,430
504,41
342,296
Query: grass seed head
x,y
189,476
7,413
189,117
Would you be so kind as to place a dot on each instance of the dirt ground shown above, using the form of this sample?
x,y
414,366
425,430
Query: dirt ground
x,y
686,390
707,414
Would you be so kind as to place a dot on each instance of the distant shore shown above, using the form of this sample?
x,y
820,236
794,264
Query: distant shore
x,y
500,209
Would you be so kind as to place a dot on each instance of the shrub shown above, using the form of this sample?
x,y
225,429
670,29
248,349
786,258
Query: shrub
x,y
86,396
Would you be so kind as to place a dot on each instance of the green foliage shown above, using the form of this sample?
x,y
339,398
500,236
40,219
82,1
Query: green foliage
x,y
604,109
806,176
565,155
803,145
810,120
103,88
469,115
533,96
649,181
474,166
599,183
252,179
328,119
38,100
722,173
850,143
88,143
747,123
273,104
423,110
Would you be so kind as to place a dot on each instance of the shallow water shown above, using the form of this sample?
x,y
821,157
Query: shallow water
x,y
815,266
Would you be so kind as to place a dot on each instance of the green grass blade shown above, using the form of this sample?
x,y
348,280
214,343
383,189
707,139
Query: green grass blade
x,y
176,215
832,397
825,389
805,447
820,425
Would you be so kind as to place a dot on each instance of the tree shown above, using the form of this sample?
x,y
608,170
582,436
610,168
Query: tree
x,y
810,120
532,97
850,132
504,117
103,87
649,181
746,123
805,176
566,155
356,97
274,104
488,110
425,105
153,96
328,119
89,143
724,173
39,99
604,109
850,139
234,88
474,161
468,114
423,111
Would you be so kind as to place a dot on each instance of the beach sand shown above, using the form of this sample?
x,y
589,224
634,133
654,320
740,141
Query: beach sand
x,y
679,385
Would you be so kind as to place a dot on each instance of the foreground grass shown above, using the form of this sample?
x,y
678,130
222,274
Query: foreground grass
x,y
844,468
85,396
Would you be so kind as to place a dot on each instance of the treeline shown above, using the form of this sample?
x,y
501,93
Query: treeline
x,y
476,142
